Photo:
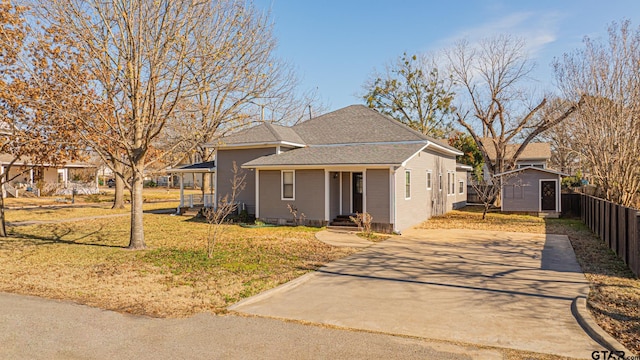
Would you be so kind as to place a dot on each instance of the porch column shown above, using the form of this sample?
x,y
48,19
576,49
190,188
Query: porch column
x,y
364,190
181,189
66,177
340,202
31,176
257,193
326,195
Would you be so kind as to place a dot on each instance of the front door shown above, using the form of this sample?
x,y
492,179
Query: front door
x,y
548,196
357,190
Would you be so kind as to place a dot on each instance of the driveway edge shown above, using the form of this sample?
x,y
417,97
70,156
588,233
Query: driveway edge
x,y
286,286
589,325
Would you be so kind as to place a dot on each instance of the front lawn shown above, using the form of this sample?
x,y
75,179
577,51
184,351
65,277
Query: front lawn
x,y
614,292
86,262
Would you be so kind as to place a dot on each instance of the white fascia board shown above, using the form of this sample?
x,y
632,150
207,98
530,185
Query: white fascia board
x,y
533,168
253,145
329,167
444,149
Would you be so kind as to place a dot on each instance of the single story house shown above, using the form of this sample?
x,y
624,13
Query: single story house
x,y
59,179
348,161
531,189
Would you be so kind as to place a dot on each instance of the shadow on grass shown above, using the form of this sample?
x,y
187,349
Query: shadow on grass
x,y
58,234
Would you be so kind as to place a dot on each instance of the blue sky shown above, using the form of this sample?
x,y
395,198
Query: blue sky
x,y
335,45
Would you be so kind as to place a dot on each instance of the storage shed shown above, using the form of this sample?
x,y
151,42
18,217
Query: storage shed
x,y
531,189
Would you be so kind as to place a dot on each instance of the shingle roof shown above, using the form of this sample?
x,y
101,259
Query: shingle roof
x,y
263,133
362,154
533,151
354,124
5,159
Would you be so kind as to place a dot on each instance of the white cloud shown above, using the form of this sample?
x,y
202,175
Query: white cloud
x,y
536,28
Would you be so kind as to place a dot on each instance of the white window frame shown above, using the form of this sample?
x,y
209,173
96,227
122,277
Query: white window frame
x,y
451,183
405,184
440,182
461,187
429,180
293,198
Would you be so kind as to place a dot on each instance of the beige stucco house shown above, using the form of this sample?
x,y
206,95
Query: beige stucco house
x,y
348,161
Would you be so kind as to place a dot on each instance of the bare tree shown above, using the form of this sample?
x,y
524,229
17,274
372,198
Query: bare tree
x,y
237,85
216,217
491,76
561,138
413,91
29,133
606,75
138,56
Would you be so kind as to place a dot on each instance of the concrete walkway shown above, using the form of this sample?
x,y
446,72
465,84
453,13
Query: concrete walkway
x,y
34,328
509,290
342,239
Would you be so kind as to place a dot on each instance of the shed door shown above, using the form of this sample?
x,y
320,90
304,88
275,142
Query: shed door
x,y
548,189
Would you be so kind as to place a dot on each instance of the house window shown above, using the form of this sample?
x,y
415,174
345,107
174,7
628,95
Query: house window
x,y
440,182
451,181
407,184
428,180
288,185
461,187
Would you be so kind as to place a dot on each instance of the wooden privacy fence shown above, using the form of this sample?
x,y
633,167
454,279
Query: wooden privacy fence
x,y
617,226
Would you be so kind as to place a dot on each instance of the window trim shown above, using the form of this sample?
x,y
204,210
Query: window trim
x,y
293,197
407,185
429,180
440,182
461,187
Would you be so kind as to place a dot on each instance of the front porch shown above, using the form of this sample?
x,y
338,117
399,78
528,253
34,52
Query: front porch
x,y
195,202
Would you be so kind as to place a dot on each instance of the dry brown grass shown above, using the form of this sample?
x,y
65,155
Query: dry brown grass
x,y
87,263
77,211
614,295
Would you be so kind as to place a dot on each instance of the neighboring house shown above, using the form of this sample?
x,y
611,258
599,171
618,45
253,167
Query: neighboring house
x,y
60,180
535,154
532,189
348,161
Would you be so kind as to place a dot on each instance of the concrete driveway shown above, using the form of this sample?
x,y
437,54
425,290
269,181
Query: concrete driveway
x,y
502,289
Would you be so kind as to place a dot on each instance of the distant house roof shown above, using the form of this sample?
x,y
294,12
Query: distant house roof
x,y
6,159
357,154
533,150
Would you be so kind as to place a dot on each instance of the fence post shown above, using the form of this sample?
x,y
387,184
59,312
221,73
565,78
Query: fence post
x,y
634,248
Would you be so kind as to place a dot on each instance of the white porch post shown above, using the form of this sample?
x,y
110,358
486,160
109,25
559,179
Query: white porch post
x,y
181,189
257,193
326,196
392,197
4,192
66,177
340,176
31,176
364,190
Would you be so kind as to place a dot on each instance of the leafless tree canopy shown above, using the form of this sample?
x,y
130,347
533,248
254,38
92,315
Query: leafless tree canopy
x,y
150,62
606,131
491,77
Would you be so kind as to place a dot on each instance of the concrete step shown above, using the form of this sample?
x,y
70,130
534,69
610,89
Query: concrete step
x,y
549,215
343,223
342,228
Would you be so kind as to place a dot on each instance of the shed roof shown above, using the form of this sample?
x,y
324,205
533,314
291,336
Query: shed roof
x,y
526,168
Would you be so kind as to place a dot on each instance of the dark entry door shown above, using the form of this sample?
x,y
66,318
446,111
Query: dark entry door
x,y
548,195
357,192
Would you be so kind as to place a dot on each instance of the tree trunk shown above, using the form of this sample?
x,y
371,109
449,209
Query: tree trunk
x,y
136,239
3,228
118,201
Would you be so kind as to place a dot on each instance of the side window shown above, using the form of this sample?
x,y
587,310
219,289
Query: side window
x,y
288,184
407,184
428,179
